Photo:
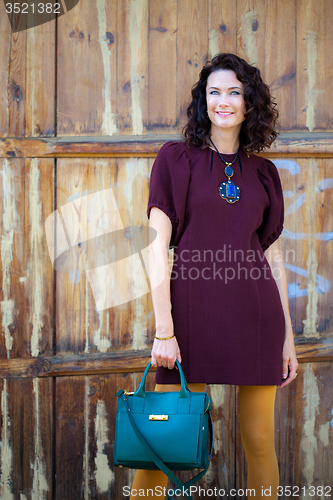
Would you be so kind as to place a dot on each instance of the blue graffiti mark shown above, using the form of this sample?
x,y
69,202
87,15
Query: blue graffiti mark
x,y
332,411
74,276
332,422
322,284
304,236
290,165
288,194
296,205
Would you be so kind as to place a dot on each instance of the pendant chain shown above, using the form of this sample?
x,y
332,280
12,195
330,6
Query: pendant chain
x,y
228,164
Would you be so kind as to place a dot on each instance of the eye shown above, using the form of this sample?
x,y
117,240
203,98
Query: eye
x,y
213,92
235,92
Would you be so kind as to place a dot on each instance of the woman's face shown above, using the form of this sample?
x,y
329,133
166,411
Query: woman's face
x,y
225,101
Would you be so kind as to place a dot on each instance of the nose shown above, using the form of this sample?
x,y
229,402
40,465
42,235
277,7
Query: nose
x,y
224,100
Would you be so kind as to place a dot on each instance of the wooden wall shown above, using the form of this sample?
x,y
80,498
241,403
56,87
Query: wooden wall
x,y
85,103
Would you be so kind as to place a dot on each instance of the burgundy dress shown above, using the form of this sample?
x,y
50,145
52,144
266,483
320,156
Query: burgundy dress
x,y
226,308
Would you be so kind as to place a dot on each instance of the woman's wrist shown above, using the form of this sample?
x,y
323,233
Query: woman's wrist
x,y
164,338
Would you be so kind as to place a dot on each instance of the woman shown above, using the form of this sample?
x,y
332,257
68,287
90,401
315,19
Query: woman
x,y
224,312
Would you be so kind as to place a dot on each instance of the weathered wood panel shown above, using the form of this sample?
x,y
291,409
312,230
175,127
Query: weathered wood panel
x,y
86,87
251,20
99,197
288,169
17,83
311,65
26,272
26,446
40,80
280,59
192,50
162,47
222,27
132,74
310,229
304,430
6,35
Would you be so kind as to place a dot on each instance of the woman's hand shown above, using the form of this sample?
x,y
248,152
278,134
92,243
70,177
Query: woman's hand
x,y
290,362
165,352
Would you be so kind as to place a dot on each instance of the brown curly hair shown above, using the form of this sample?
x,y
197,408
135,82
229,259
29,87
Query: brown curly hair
x,y
258,128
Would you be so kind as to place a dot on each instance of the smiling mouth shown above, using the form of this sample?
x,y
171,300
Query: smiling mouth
x,y
224,113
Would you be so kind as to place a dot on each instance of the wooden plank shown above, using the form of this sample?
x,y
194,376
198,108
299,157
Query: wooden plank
x,y
127,361
132,70
310,229
192,51
31,414
280,59
287,144
86,70
26,447
26,271
311,65
70,427
303,426
288,169
71,287
221,27
162,66
329,62
251,19
82,324
6,33
71,364
327,246
17,81
12,269
37,279
40,80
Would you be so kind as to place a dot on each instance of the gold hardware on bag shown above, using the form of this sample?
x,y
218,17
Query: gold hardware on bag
x,y
128,393
158,417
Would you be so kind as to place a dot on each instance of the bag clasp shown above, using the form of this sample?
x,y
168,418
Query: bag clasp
x,y
158,417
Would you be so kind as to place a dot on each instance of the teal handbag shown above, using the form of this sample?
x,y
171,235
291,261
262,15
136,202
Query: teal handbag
x,y
164,430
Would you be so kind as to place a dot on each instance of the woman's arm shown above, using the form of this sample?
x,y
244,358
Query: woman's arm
x,y
274,257
164,352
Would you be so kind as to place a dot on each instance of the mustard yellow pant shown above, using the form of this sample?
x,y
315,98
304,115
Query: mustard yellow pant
x,y
256,408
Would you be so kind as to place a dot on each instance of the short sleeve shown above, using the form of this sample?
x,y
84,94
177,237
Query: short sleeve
x,y
168,186
273,217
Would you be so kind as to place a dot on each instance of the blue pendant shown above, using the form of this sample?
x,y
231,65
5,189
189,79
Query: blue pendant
x,y
229,191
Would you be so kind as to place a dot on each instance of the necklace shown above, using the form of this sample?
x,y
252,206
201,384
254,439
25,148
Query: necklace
x,y
228,190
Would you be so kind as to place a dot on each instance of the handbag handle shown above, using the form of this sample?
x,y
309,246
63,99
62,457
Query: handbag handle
x,y
184,390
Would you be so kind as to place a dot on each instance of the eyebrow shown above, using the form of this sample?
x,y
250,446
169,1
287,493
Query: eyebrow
x,y
230,88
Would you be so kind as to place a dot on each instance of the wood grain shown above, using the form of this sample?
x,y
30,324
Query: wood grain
x,y
40,80
222,27
162,69
311,65
280,59
192,51
251,21
287,144
86,48
132,71
6,34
